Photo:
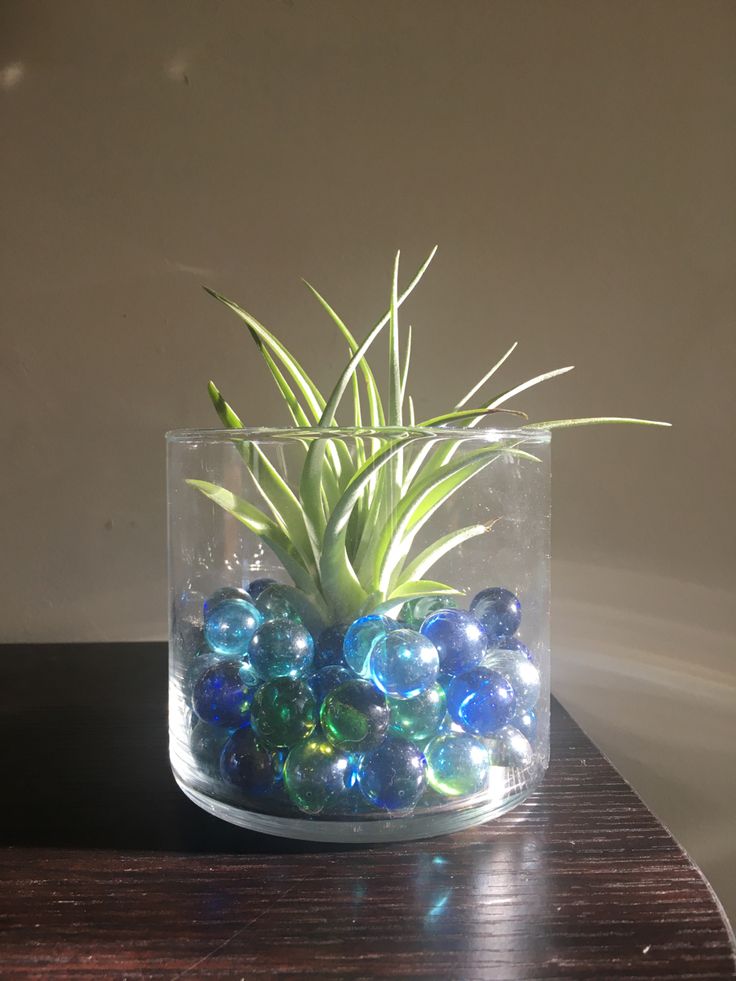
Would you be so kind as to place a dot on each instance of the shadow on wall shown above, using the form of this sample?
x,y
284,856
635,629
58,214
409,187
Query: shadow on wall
x,y
649,676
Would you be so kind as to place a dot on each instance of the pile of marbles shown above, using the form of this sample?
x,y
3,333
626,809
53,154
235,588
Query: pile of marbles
x,y
380,714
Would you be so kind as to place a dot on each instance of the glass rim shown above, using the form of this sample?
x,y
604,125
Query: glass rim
x,y
410,433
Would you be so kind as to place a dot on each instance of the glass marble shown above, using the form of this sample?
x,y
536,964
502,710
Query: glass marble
x,y
202,660
283,712
225,592
526,723
281,649
514,644
459,638
328,646
520,673
275,603
316,775
499,610
257,586
220,697
393,776
326,679
361,637
355,716
509,747
188,634
481,701
404,663
420,717
457,764
206,743
247,765
414,612
230,625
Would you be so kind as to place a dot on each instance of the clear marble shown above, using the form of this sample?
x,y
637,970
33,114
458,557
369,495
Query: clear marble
x,y
457,764
520,673
509,747
404,663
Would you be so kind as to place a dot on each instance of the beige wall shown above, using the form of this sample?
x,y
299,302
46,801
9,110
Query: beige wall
x,y
574,160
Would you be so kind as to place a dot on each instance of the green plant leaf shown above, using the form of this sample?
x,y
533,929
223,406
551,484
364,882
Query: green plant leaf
x,y
405,370
411,590
262,526
375,406
274,490
337,574
394,359
421,502
537,380
457,415
314,399
434,552
594,421
476,388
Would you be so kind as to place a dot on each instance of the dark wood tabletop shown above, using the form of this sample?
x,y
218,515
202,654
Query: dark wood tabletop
x,y
110,871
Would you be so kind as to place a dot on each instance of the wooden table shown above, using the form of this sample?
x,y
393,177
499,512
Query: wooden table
x,y
111,872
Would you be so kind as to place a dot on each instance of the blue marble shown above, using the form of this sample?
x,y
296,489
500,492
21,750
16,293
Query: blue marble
x,y
457,764
520,673
258,585
404,663
323,681
316,774
499,610
393,776
229,626
526,723
328,646
281,649
225,592
220,697
509,747
206,743
248,765
360,638
459,638
481,701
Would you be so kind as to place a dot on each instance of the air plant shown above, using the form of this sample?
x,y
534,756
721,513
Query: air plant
x,y
346,533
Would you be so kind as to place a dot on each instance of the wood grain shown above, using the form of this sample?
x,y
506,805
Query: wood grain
x,y
110,871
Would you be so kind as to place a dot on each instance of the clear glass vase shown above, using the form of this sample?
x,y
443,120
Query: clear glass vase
x,y
359,626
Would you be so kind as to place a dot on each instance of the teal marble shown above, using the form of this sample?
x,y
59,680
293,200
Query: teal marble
x,y
281,649
230,625
360,639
